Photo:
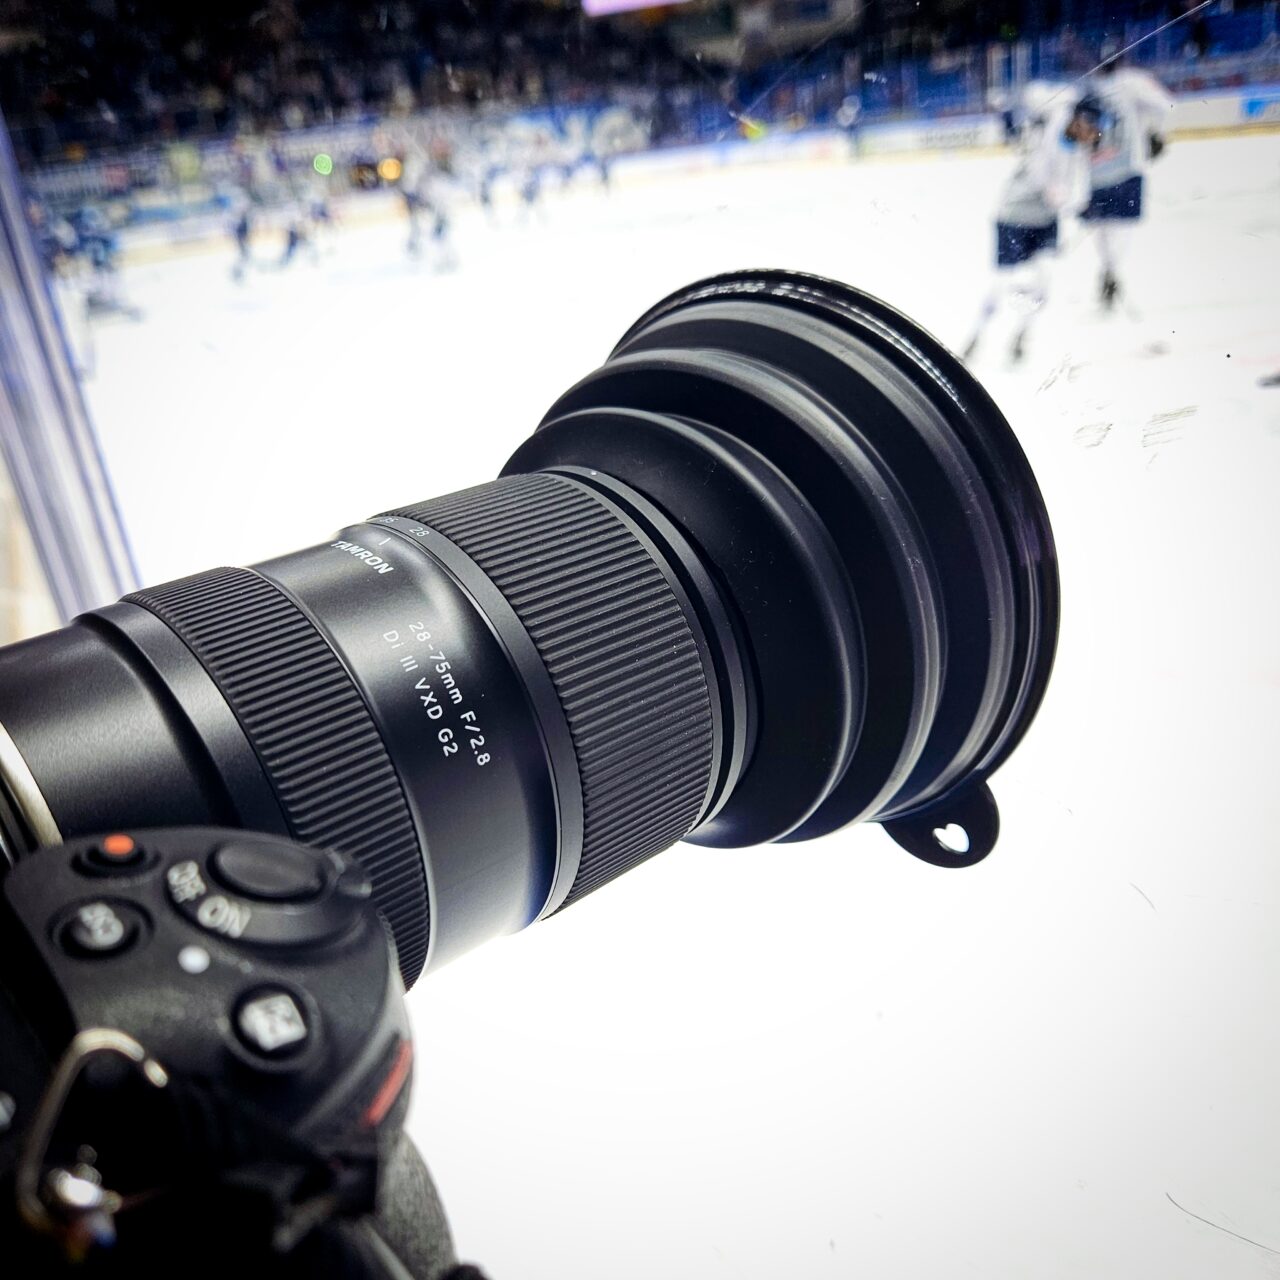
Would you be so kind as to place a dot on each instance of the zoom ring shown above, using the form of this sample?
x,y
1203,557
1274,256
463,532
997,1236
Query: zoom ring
x,y
312,731
619,649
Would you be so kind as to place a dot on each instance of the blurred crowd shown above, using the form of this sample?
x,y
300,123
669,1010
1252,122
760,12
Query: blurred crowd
x,y
86,77
90,76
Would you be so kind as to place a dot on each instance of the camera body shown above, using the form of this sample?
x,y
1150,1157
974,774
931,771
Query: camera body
x,y
203,1039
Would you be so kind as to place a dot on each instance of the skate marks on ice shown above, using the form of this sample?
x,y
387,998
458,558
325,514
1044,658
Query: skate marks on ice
x,y
1105,420
1064,368
1160,430
1166,428
1098,412
1091,434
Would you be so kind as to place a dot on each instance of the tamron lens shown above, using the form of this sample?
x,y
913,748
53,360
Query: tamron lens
x,y
777,566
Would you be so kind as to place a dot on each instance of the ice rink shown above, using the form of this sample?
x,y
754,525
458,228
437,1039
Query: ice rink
x,y
829,1060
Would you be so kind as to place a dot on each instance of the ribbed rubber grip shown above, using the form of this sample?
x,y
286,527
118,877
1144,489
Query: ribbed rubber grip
x,y
312,731
618,647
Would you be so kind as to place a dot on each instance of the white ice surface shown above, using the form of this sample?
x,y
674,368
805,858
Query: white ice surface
x,y
830,1059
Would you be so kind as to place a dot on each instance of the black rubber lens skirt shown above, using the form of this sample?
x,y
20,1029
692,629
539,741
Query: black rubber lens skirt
x,y
876,527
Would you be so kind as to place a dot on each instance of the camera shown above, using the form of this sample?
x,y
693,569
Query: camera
x,y
778,566
206,1050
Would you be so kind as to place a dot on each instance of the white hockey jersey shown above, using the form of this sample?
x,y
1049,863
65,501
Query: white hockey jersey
x,y
1136,107
1048,176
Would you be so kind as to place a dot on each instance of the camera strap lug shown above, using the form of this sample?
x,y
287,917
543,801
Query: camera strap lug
x,y
956,831
71,1204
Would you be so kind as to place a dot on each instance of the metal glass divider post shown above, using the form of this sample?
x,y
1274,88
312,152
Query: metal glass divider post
x,y
49,446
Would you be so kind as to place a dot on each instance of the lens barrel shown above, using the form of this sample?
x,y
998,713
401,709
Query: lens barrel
x,y
779,565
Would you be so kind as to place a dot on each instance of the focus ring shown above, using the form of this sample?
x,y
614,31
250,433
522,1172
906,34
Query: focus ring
x,y
310,727
619,649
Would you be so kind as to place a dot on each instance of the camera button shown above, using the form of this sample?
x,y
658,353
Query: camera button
x,y
116,850
100,929
269,873
115,854
271,1022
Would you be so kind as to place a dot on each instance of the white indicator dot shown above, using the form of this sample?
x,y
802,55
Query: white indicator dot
x,y
193,959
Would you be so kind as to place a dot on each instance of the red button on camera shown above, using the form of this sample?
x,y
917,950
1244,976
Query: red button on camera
x,y
115,852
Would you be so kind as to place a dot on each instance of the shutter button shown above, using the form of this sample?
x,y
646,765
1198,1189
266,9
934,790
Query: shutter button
x,y
269,873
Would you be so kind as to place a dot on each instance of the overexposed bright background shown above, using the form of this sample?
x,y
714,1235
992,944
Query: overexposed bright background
x,y
830,1059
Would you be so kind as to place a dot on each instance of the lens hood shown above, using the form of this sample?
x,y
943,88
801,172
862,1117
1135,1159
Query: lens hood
x,y
873,521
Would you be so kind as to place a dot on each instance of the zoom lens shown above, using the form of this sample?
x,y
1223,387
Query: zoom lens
x,y
778,566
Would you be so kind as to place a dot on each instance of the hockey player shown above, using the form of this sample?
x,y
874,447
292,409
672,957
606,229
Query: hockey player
x,y
426,198
98,245
531,190
55,237
242,233
297,237
849,119
1048,173
322,222
1135,118
535,161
